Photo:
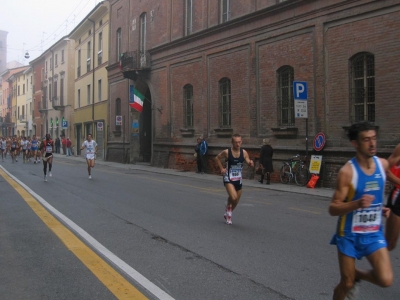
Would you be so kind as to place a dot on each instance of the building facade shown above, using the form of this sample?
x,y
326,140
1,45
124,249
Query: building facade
x,y
3,50
38,91
91,38
8,86
28,117
214,68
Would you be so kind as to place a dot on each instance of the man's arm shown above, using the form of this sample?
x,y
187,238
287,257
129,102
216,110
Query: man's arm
x,y
247,159
338,206
222,155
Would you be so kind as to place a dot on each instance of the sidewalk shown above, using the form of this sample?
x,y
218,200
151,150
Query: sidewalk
x,y
291,187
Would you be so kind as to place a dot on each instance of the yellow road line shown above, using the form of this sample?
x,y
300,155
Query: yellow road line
x,y
117,284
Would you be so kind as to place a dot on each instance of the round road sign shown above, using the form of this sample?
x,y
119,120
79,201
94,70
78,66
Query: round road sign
x,y
319,141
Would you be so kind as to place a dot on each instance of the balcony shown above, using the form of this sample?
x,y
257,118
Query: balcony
x,y
42,107
22,118
134,62
58,103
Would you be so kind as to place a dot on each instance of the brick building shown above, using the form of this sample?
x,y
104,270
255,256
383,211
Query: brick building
x,y
214,68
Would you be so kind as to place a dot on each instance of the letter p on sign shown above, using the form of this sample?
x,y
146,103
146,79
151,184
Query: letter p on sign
x,y
300,90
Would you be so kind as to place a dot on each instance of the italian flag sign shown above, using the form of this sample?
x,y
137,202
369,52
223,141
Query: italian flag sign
x,y
135,99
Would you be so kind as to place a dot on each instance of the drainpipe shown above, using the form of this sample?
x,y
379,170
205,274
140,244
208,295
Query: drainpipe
x,y
94,43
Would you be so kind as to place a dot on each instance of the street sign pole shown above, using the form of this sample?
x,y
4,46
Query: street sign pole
x,y
301,107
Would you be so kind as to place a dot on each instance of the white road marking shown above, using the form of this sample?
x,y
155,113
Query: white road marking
x,y
128,270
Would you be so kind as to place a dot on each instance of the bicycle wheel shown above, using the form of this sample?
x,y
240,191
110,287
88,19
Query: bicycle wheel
x,y
301,176
285,174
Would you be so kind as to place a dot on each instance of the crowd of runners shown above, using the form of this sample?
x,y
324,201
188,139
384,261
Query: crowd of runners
x,y
34,150
17,147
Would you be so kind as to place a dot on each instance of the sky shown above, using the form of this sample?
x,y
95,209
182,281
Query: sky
x,y
34,26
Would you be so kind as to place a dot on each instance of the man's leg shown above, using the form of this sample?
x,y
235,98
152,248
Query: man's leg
x,y
233,195
347,267
381,273
45,170
50,162
392,230
88,166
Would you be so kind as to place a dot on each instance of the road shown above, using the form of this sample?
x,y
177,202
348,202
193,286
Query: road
x,y
165,234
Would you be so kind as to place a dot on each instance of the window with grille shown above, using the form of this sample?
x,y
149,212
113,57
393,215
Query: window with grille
x,y
225,10
362,87
188,98
189,16
143,32
285,96
88,94
225,102
88,63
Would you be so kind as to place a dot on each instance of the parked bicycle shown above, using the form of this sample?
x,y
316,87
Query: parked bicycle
x,y
297,168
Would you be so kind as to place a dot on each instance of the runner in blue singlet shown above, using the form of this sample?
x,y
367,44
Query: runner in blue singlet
x,y
232,173
34,148
358,201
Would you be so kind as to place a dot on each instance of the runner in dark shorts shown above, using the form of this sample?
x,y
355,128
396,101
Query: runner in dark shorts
x,y
232,173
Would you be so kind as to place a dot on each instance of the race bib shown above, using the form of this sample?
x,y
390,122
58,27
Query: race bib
x,y
49,149
235,173
367,220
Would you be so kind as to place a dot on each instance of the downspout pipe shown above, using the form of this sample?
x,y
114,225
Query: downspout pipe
x,y
94,43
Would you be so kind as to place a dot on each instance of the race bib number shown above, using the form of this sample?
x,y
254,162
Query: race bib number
x,y
367,220
49,149
235,173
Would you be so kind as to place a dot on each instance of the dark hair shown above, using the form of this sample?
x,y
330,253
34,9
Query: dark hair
x,y
358,127
236,135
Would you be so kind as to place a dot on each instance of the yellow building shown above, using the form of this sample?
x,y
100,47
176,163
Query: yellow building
x,y
18,115
91,84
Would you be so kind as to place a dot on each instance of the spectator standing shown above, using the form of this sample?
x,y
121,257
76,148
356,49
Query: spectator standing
x,y
58,145
201,152
266,160
69,145
64,145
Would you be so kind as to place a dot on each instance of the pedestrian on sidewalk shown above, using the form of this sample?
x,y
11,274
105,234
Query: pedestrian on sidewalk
x,y
266,154
64,145
201,154
58,145
69,145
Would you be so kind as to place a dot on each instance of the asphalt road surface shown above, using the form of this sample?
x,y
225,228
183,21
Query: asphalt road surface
x,y
164,235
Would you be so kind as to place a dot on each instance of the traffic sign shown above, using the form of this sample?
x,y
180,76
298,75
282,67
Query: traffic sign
x,y
300,109
319,141
64,124
118,120
99,126
300,90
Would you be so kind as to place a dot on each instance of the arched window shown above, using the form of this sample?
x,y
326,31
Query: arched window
x,y
118,112
225,102
188,98
362,87
285,96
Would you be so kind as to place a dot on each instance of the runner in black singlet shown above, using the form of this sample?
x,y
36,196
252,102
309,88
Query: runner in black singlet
x,y
232,173
47,148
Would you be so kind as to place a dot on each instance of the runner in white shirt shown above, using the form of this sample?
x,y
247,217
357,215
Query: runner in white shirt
x,y
91,151
24,145
3,144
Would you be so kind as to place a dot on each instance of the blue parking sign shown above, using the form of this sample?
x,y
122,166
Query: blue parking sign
x,y
300,90
64,124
